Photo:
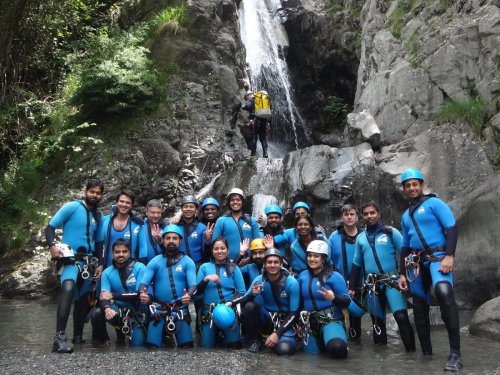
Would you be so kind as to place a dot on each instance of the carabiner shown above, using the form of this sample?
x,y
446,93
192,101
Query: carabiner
x,y
377,329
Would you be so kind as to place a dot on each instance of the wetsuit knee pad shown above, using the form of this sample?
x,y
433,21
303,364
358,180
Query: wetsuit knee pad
x,y
250,308
336,348
444,292
401,316
285,347
68,286
96,315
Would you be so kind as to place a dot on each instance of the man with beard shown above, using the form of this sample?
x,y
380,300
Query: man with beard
x,y
174,281
79,220
153,225
342,244
236,226
124,222
272,306
258,248
273,226
119,299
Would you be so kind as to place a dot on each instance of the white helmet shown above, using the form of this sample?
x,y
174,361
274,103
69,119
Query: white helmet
x,y
318,247
236,191
65,250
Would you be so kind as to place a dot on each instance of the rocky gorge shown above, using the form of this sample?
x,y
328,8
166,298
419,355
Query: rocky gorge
x,y
395,63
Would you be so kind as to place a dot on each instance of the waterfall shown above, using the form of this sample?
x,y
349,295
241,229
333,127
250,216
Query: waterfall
x,y
266,185
266,41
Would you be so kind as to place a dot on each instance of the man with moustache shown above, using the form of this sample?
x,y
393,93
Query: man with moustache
x,y
236,226
153,225
79,220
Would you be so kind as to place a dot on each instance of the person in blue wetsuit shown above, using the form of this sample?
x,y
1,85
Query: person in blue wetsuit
x,y
124,223
173,276
257,250
79,221
427,258
153,225
210,210
272,307
236,226
119,299
376,249
304,227
196,239
219,281
342,244
324,295
274,226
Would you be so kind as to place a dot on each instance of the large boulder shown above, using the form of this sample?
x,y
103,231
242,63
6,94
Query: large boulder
x,y
486,320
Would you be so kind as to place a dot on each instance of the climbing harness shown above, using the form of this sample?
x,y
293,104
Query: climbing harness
x,y
171,314
372,282
129,319
414,261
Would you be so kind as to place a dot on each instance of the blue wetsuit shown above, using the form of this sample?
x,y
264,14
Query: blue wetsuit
x,y
250,272
153,246
298,259
193,240
375,251
429,234
326,318
123,283
170,277
231,285
235,231
131,233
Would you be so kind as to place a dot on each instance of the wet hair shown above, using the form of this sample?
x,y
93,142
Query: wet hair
x,y
370,204
121,242
348,207
127,194
154,203
94,183
220,239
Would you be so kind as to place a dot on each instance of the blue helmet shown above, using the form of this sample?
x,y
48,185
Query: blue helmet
x,y
410,173
273,209
301,204
208,201
356,309
223,317
172,228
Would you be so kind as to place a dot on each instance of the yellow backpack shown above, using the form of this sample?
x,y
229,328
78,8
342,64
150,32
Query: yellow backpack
x,y
262,105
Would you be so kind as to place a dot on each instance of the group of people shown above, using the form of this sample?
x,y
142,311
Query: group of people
x,y
250,280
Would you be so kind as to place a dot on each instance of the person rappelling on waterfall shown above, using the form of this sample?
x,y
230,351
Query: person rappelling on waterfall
x,y
258,106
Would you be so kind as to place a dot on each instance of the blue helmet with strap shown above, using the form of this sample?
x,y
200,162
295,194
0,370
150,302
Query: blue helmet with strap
x,y
208,201
223,317
172,228
411,173
273,209
303,205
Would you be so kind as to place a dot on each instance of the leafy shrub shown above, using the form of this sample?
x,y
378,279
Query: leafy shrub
x,y
338,109
473,111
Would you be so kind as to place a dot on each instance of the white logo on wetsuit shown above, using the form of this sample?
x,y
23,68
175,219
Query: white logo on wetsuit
x,y
178,268
224,274
318,283
421,210
194,235
382,239
283,294
246,226
127,235
131,280
136,231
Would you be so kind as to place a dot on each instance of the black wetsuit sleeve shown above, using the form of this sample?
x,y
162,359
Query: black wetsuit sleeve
x,y
342,302
405,251
126,297
50,235
353,280
200,288
105,304
287,323
192,290
99,252
451,240
143,261
238,259
243,299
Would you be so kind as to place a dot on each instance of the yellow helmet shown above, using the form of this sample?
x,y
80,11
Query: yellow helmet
x,y
257,244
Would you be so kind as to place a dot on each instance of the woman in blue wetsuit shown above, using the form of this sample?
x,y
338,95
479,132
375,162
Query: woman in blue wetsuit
x,y
304,227
324,294
219,281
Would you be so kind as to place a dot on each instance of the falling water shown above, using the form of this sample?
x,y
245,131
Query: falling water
x,y
266,185
266,41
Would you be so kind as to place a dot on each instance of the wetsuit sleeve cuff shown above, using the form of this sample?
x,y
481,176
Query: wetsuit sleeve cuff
x,y
105,304
451,240
342,302
200,288
50,235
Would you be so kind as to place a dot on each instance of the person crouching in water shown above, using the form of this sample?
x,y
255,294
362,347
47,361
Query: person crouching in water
x,y
324,295
119,300
219,281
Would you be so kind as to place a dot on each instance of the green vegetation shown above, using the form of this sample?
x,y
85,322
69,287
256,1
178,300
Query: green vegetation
x,y
497,158
398,17
69,65
334,8
473,111
413,47
338,110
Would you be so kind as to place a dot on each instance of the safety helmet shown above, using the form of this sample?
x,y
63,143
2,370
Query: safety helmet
x,y
172,228
318,247
189,199
223,317
257,244
410,173
301,204
247,94
65,250
235,191
273,209
356,309
273,252
209,201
